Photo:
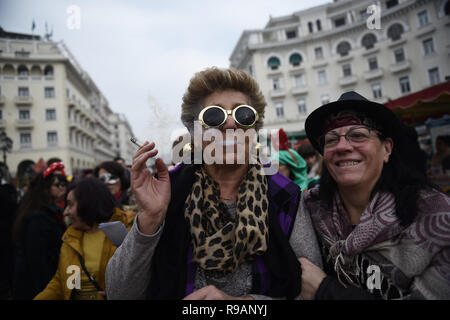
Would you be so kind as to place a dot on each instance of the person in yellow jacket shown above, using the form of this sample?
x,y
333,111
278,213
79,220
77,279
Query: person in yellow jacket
x,y
86,250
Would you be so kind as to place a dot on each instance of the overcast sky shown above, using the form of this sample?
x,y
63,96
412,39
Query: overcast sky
x,y
141,54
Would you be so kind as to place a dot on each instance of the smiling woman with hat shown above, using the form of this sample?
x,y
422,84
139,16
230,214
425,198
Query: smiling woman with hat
x,y
384,230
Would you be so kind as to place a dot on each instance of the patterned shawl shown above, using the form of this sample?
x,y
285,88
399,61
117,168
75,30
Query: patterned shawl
x,y
414,260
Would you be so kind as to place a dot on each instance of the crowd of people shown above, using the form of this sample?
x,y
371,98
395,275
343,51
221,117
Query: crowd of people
x,y
54,221
350,214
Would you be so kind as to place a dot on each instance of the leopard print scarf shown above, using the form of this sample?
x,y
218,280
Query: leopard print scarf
x,y
221,242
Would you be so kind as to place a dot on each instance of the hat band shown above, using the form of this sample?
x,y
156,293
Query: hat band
x,y
342,122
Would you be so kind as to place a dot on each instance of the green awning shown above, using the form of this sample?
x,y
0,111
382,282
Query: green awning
x,y
295,59
274,62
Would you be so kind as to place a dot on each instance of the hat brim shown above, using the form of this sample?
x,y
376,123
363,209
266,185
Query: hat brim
x,y
316,121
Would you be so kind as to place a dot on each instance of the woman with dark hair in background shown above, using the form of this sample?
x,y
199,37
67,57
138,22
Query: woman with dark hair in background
x,y
8,205
37,232
89,202
383,228
312,158
113,175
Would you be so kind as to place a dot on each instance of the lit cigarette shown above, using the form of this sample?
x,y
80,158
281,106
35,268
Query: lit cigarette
x,y
136,142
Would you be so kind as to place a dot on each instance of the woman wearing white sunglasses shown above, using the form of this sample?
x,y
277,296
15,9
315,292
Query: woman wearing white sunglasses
x,y
220,230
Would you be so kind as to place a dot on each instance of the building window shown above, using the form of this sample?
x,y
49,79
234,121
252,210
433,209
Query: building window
x,y
1,113
347,70
339,22
279,108
433,74
322,77
318,25
52,138
291,34
447,8
310,27
299,80
376,90
405,86
301,105
391,3
343,48
50,114
295,59
25,140
24,114
423,18
395,31
49,92
274,63
318,52
48,71
428,46
399,55
324,99
23,92
276,84
373,63
22,54
368,41
22,70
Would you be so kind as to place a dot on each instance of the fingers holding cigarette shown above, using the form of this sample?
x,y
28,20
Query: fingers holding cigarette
x,y
136,142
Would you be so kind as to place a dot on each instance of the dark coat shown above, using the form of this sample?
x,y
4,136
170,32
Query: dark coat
x,y
8,206
37,255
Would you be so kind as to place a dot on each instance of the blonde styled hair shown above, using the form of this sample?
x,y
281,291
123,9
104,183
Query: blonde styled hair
x,y
213,79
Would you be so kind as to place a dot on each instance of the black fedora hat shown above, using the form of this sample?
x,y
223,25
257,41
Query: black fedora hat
x,y
388,122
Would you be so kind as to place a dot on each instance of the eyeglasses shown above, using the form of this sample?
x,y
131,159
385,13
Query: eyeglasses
x,y
354,136
60,184
108,178
215,116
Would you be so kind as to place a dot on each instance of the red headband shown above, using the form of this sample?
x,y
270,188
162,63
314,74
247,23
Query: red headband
x,y
53,167
342,122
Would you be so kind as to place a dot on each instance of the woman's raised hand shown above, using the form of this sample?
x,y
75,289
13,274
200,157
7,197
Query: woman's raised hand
x,y
152,195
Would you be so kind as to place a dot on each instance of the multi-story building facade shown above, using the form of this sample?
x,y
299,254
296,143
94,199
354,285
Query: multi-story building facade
x,y
311,57
49,106
122,132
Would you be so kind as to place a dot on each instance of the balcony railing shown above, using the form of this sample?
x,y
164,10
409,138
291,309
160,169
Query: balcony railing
x,y
104,149
297,90
348,80
401,66
24,123
373,74
23,99
277,93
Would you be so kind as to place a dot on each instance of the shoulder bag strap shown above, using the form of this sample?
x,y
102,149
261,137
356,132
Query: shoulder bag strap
x,y
97,286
